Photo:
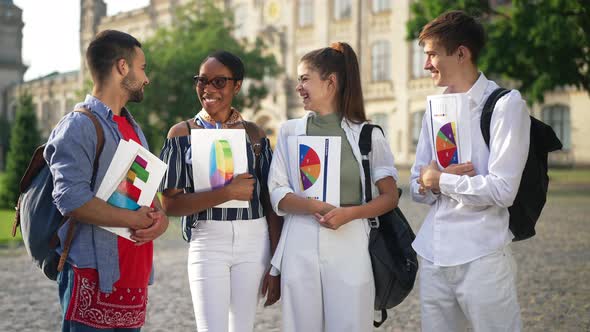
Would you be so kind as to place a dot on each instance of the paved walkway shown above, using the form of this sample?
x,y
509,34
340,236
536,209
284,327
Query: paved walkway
x,y
553,280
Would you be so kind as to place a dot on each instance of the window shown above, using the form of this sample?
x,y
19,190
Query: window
x,y
382,120
240,21
380,61
45,111
418,59
416,128
558,117
342,9
381,5
305,13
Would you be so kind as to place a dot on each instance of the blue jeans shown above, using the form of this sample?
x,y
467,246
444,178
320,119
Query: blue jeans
x,y
65,280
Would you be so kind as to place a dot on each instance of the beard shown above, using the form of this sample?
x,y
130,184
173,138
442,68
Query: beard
x,y
133,87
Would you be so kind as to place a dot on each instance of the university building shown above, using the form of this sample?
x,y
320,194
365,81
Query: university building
x,y
394,84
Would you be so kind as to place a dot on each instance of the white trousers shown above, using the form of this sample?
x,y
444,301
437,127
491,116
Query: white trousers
x,y
480,294
326,278
226,264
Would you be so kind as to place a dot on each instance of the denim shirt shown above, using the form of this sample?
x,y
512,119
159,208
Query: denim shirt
x,y
70,153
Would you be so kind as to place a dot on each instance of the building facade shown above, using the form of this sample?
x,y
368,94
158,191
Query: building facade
x,y
394,84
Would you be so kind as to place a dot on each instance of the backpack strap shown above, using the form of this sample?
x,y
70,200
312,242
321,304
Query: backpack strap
x,y
365,145
99,146
256,135
488,110
188,126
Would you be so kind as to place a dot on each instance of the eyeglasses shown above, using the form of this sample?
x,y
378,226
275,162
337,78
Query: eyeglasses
x,y
217,82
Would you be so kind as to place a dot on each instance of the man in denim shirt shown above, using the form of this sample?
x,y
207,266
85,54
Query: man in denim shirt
x,y
104,283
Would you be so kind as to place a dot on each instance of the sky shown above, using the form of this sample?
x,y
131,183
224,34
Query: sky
x,y
51,33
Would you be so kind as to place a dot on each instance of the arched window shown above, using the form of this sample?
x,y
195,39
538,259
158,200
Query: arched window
x,y
558,117
342,9
382,120
381,5
381,61
418,59
240,21
416,127
305,13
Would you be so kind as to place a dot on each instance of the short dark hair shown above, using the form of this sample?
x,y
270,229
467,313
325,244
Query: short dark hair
x,y
106,49
453,29
230,60
340,59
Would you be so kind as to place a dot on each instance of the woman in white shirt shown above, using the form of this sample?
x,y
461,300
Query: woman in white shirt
x,y
322,256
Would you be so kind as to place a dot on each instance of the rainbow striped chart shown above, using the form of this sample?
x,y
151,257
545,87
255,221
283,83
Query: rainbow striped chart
x,y
127,194
218,155
309,166
446,145
131,181
221,169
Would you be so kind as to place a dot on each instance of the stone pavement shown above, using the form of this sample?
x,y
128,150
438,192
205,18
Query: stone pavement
x,y
553,280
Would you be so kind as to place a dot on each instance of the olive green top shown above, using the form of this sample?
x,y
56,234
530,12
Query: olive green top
x,y
350,179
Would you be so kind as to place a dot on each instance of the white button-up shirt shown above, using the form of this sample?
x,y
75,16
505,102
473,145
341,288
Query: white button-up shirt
x,y
469,218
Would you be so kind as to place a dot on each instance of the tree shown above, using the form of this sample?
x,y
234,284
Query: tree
x,y
25,138
4,137
174,54
539,45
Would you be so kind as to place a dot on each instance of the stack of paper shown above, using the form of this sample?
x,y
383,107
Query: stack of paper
x,y
450,128
131,181
217,156
315,174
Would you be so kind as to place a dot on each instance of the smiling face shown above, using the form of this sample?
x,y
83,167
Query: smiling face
x,y
136,79
444,69
217,102
317,94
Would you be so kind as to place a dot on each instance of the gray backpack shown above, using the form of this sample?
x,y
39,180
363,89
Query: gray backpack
x,y
38,218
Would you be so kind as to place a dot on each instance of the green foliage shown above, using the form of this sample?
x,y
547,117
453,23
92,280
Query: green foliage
x,y
540,45
25,138
4,134
174,54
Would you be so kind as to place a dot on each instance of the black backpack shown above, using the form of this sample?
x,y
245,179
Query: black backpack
x,y
532,191
393,259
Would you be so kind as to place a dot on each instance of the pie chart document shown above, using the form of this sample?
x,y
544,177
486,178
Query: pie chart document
x,y
450,130
314,167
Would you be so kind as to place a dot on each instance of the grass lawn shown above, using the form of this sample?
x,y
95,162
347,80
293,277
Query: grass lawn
x,y
579,176
6,221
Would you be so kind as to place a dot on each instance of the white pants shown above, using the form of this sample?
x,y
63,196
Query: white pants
x,y
226,264
480,294
326,278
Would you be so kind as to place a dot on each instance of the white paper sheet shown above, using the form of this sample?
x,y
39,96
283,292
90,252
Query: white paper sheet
x,y
132,180
315,167
450,128
217,156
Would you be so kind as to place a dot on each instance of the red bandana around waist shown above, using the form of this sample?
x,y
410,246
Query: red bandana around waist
x,y
123,308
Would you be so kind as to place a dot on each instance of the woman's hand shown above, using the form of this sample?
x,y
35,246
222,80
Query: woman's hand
x,y
241,187
271,288
336,217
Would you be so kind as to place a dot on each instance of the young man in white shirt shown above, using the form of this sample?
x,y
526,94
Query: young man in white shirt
x,y
467,272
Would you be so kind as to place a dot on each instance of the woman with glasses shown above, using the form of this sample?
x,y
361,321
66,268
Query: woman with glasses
x,y
230,248
323,258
